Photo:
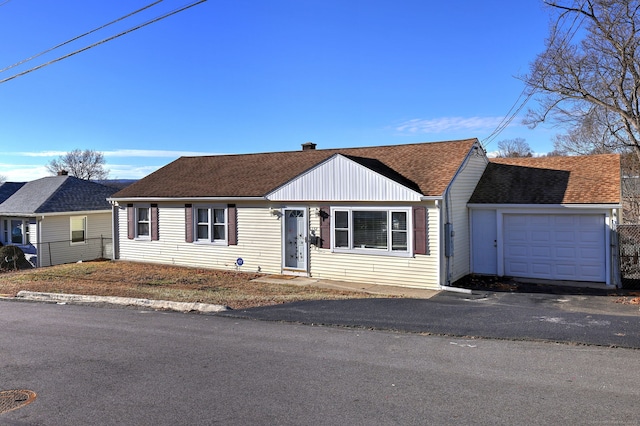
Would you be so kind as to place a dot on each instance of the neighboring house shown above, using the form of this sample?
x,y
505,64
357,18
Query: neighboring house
x,y
7,189
547,218
61,218
388,215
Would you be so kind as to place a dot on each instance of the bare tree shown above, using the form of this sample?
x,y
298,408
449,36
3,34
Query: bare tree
x,y
87,164
591,68
517,147
3,179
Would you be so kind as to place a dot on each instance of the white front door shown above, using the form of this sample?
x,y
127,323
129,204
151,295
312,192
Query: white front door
x,y
485,242
295,239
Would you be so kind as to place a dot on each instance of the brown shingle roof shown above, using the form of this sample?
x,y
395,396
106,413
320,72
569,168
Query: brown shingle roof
x,y
590,179
425,167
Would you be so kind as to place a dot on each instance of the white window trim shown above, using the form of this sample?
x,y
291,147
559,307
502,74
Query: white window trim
x,y
84,241
368,251
137,222
210,240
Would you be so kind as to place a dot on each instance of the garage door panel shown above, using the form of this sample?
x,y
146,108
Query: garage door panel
x,y
517,251
590,237
518,236
567,271
591,254
565,252
590,271
516,268
565,236
561,247
539,235
541,269
541,251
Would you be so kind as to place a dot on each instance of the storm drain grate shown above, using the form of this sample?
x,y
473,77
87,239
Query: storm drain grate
x,y
12,399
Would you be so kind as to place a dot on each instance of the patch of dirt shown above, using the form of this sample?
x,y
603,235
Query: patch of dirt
x,y
163,282
504,284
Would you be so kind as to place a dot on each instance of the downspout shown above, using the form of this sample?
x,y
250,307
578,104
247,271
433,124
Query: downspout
x,y
114,238
39,241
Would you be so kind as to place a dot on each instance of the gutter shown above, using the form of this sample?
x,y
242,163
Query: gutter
x,y
116,201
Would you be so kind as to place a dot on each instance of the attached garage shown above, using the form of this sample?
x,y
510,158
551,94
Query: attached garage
x,y
547,218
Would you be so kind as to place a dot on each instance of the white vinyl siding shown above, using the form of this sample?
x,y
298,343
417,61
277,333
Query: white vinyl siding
x,y
259,246
415,271
54,244
364,184
459,194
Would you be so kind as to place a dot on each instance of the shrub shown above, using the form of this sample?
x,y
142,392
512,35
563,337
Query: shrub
x,y
12,257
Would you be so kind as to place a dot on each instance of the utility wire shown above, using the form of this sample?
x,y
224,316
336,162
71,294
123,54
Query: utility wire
x,y
137,27
504,123
78,37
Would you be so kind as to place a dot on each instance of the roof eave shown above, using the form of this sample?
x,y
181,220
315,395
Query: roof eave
x,y
577,206
182,199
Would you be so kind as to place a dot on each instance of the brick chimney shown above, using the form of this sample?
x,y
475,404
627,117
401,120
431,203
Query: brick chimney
x,y
308,146
63,173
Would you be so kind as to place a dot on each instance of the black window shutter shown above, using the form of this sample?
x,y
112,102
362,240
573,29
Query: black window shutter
x,y
232,226
325,227
419,230
131,222
188,223
154,222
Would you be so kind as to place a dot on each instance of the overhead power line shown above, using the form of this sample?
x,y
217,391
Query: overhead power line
x,y
509,117
78,37
137,27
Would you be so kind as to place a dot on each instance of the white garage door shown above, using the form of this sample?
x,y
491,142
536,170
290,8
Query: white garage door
x,y
555,247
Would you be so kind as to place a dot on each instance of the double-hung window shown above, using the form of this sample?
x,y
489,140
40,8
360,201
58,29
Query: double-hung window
x,y
143,222
375,230
211,224
78,229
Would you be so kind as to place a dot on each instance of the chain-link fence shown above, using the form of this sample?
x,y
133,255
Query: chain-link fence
x,y
629,249
67,251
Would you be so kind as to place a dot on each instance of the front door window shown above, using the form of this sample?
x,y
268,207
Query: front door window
x,y
295,244
17,231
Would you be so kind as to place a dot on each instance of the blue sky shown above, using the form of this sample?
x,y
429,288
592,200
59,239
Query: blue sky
x,y
242,76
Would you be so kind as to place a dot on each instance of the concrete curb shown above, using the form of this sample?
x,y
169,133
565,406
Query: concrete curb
x,y
124,301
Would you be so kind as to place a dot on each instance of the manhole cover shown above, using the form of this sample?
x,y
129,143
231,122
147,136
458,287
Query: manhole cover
x,y
12,399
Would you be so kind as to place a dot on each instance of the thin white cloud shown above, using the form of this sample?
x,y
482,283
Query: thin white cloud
x,y
448,124
126,171
23,173
38,154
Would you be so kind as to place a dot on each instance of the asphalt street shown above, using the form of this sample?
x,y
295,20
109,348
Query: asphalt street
x,y
89,365
581,319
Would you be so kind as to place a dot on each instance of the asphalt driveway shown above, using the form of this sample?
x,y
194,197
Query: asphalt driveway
x,y
578,319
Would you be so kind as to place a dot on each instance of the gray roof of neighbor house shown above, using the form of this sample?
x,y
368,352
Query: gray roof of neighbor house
x,y
588,179
7,189
57,194
425,167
